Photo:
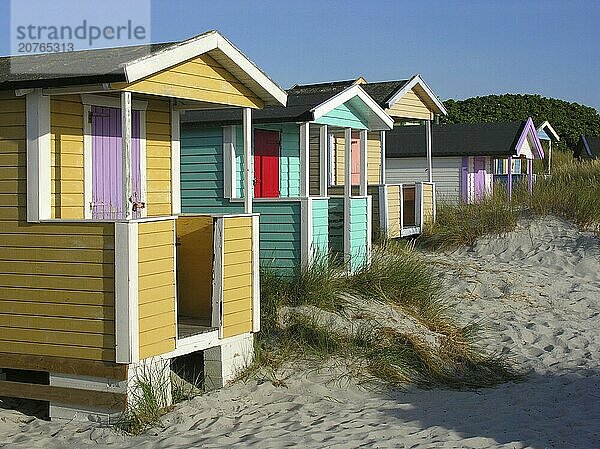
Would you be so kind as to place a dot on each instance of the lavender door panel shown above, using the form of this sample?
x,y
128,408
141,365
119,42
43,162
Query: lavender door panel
x,y
107,176
480,175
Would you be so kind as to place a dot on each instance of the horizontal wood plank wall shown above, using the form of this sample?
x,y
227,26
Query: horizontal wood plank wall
x,y
158,157
339,156
280,234
56,280
195,254
156,287
201,79
237,276
66,119
393,211
202,176
289,157
320,226
314,158
427,203
358,232
411,106
336,226
373,158
375,192
343,116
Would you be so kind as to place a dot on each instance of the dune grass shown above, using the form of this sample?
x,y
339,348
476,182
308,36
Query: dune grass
x,y
374,351
571,192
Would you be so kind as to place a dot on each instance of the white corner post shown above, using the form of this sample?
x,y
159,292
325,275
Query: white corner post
x,y
509,179
248,162
38,156
324,159
304,159
363,163
382,165
126,292
126,154
549,154
255,274
347,192
229,155
530,175
428,141
175,163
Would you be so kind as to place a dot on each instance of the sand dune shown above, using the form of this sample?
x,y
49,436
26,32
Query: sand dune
x,y
538,292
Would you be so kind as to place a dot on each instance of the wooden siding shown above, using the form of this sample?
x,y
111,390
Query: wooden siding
x,y
156,287
411,106
427,203
66,119
339,157
202,178
373,158
289,157
158,157
280,234
195,255
358,232
320,225
336,226
201,79
237,276
393,211
446,174
343,116
314,160
56,280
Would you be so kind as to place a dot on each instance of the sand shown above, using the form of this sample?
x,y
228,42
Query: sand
x,y
537,290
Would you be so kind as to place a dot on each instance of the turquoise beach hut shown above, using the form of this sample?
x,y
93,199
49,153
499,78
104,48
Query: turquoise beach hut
x,y
296,221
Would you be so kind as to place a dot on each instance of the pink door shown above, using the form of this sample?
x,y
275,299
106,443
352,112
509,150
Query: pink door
x,y
480,178
107,177
355,153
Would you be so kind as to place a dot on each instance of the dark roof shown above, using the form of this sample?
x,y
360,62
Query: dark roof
x,y
593,147
479,139
301,99
96,66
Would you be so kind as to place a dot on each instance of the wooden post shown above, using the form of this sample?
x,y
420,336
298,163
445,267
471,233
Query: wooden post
x,y
248,162
530,175
304,159
509,179
363,163
382,165
126,154
347,193
324,155
549,154
428,140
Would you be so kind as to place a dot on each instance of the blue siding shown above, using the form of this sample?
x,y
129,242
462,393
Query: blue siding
x,y
358,232
344,116
320,226
336,226
289,160
202,172
280,235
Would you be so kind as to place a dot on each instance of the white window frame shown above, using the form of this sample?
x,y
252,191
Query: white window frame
x,y
230,162
89,100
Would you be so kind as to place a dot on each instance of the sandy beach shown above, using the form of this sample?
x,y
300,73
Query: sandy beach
x,y
536,290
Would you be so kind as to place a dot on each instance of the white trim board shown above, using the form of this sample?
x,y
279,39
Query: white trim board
x,y
255,274
412,83
111,102
175,162
222,51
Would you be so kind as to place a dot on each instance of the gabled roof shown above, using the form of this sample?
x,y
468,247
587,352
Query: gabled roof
x,y
129,64
391,91
305,104
587,147
547,132
464,139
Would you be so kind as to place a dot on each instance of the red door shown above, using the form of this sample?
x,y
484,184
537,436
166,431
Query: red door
x,y
355,152
266,164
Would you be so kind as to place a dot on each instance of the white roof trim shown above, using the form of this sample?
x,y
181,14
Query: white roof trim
x,y
546,126
347,94
412,83
178,53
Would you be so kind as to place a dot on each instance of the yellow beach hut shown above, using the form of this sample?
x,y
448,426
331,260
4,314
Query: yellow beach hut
x,y
101,276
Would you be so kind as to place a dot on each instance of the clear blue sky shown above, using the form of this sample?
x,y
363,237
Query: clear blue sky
x,y
461,48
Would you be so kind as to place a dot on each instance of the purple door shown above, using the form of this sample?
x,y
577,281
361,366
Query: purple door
x,y
480,175
107,177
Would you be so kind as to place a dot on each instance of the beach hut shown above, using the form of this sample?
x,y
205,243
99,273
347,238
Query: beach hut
x,y
547,136
102,279
299,217
587,148
463,155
